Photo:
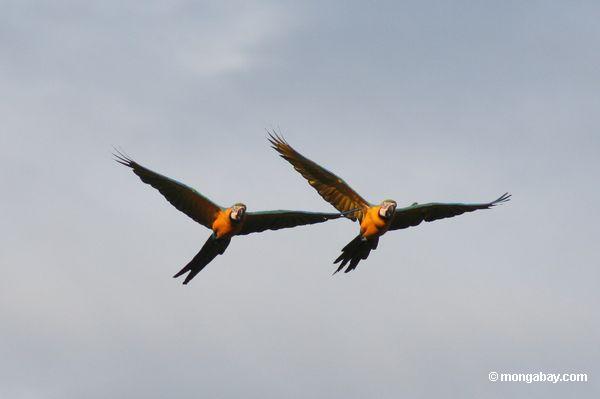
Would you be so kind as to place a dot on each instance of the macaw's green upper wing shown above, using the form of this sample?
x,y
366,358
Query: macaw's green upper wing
x,y
255,222
332,188
182,197
415,214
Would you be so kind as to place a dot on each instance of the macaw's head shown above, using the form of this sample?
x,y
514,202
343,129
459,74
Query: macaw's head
x,y
387,208
237,212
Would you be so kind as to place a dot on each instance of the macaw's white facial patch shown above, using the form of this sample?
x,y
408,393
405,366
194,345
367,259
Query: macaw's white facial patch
x,y
237,212
387,209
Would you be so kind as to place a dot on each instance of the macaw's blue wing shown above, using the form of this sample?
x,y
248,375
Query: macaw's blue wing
x,y
255,222
329,186
415,214
182,197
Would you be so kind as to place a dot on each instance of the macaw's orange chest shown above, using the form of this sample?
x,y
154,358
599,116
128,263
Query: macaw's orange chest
x,y
224,227
372,224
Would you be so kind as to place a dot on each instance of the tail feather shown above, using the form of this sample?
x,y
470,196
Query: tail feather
x,y
355,251
211,248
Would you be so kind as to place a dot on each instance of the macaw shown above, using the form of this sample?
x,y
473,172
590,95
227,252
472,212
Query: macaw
x,y
224,222
375,220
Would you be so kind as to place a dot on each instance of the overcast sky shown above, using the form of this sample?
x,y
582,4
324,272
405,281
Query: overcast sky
x,y
416,101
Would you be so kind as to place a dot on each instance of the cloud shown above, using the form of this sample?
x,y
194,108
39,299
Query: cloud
x,y
232,43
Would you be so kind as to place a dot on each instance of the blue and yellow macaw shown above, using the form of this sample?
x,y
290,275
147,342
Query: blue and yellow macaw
x,y
224,222
375,220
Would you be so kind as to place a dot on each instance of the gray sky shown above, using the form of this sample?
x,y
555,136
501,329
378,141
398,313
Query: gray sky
x,y
416,101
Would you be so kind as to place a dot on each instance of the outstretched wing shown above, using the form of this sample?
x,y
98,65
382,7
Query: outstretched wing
x,y
255,222
415,214
182,197
332,188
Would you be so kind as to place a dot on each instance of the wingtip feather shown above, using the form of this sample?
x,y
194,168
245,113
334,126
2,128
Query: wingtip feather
x,y
121,157
502,199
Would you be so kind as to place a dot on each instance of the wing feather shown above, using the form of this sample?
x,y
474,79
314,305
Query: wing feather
x,y
182,197
332,188
255,222
415,214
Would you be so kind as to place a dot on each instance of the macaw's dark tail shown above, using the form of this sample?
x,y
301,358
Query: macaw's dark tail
x,y
211,248
357,249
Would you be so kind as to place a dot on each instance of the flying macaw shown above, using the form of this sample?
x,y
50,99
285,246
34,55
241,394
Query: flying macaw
x,y
224,222
375,220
